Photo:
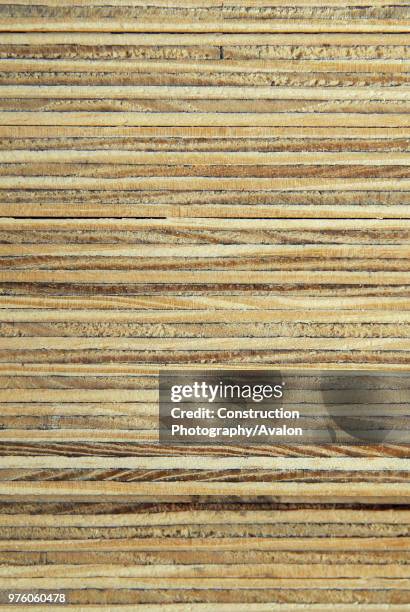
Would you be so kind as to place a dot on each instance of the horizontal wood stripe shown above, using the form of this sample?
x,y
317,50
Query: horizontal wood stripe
x,y
154,39
205,92
250,65
192,159
175,583
192,572
16,315
339,544
197,251
44,490
204,607
382,120
228,26
61,210
213,463
217,132
202,344
196,3
240,277
192,184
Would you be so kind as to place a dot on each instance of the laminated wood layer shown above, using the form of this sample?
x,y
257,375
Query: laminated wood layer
x,y
200,184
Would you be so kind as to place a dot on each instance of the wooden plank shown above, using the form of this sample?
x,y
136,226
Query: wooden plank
x,y
212,463
198,3
207,93
215,132
221,26
192,184
204,158
250,65
156,38
384,120
202,251
222,344
200,277
147,544
237,315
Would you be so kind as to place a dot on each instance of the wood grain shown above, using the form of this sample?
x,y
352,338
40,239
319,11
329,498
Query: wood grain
x,y
202,185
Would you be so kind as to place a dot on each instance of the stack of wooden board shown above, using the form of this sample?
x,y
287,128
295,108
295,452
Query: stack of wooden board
x,y
199,184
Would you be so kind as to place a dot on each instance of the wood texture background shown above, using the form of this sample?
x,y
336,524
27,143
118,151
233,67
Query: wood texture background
x,y
199,184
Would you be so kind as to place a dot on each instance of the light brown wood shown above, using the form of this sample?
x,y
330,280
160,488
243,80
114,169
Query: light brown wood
x,y
201,185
